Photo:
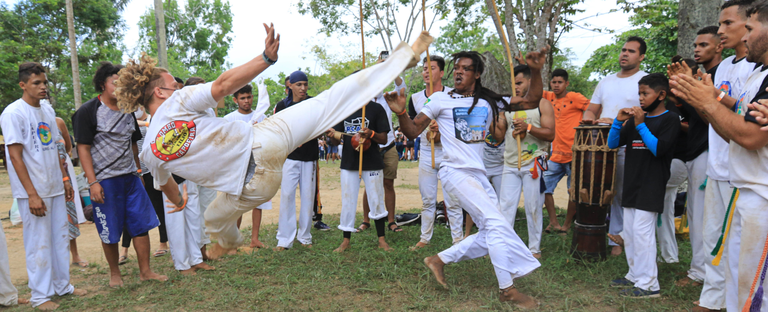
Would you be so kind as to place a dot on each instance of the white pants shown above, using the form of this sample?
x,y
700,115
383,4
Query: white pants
x,y
46,244
428,189
206,196
185,230
9,296
513,182
301,174
640,248
350,189
696,209
665,233
495,180
495,237
731,262
283,132
753,216
617,211
717,196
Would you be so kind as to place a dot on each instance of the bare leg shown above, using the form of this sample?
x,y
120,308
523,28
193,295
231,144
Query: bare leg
x,y
549,203
468,225
75,255
366,208
389,199
344,245
141,246
569,216
112,254
205,253
255,227
435,264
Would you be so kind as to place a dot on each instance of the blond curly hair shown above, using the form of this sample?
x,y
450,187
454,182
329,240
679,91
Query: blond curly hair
x,y
136,82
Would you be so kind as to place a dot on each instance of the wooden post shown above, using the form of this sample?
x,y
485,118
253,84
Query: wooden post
x,y
430,135
362,118
73,54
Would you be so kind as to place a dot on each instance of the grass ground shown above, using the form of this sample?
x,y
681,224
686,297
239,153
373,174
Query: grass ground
x,y
367,279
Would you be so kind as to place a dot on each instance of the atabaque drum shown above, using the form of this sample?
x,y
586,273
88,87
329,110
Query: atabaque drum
x,y
593,172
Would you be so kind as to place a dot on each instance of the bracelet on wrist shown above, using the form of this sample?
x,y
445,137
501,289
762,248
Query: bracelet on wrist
x,y
403,112
65,179
92,183
267,59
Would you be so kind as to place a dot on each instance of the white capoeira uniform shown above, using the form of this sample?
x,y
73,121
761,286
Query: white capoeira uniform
x,y
350,189
9,295
248,159
493,160
185,230
46,238
463,176
665,231
706,223
302,174
428,182
514,181
251,118
613,94
749,228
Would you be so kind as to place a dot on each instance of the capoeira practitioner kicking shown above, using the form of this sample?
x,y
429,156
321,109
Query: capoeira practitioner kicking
x,y
427,174
463,117
748,153
537,130
248,160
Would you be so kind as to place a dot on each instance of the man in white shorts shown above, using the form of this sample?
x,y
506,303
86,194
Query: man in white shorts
x,y
247,159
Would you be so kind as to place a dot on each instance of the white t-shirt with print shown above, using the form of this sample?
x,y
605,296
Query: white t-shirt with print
x,y
462,134
35,129
614,93
749,169
730,77
237,115
419,99
185,140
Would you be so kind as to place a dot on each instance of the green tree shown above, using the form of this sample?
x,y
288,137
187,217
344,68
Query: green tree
x,y
36,30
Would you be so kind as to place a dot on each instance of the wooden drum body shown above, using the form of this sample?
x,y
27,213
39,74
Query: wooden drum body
x,y
592,188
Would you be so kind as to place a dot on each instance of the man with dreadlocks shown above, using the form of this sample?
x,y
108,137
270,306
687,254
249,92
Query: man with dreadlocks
x,y
185,140
463,116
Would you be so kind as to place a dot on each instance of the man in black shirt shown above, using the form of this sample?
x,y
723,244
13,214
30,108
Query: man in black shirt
x,y
707,49
375,128
650,142
298,170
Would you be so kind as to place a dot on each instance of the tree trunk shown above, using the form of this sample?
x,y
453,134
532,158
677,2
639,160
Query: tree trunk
x,y
692,16
73,54
162,53
496,75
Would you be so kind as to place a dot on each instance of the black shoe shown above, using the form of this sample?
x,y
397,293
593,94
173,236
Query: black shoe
x,y
322,226
408,218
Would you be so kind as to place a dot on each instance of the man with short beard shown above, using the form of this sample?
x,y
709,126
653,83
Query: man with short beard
x,y
748,154
464,116
613,93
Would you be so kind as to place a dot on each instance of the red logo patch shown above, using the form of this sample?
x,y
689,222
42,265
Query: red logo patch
x,y
174,139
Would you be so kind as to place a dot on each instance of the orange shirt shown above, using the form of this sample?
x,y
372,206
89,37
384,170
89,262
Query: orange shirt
x,y
568,113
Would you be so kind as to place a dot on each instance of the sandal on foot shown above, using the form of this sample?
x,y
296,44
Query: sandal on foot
x,y
84,264
396,229
363,226
549,229
160,253
122,260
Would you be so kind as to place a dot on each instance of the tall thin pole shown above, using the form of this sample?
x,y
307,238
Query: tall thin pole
x,y
511,70
430,134
362,119
73,54
162,53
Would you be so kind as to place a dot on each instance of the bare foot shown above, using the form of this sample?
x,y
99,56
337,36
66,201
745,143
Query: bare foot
x,y
687,281
152,276
115,281
616,239
22,301
418,246
385,246
520,300
203,266
257,244
537,255
188,272
422,43
344,246
307,245
79,292
48,306
217,251
232,252
616,251
435,264
279,248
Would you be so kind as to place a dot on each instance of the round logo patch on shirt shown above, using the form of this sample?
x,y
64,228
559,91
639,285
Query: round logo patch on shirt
x,y
173,140
44,132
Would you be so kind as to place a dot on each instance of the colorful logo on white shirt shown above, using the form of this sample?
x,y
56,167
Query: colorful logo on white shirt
x,y
44,132
174,139
470,128
725,87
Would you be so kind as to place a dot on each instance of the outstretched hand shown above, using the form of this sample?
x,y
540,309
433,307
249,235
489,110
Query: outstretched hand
x,y
536,59
520,59
396,101
679,68
184,197
272,43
